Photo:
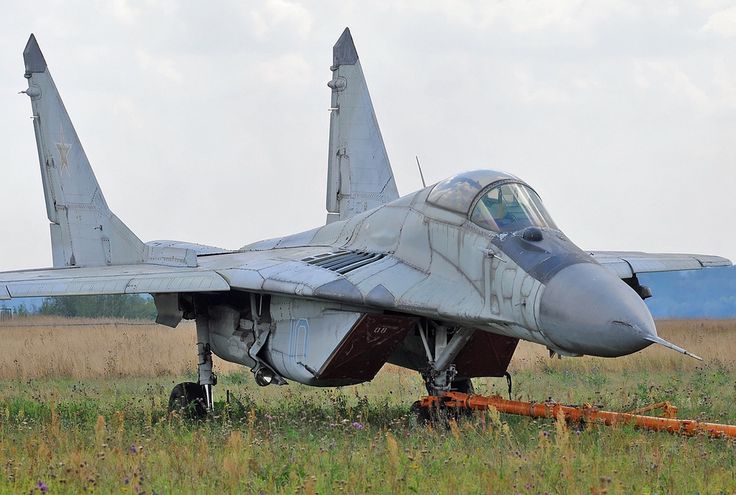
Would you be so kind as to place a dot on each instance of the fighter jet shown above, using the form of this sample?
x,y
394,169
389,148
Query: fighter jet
x,y
445,280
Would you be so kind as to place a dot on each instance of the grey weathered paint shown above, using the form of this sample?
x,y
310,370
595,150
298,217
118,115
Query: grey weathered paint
x,y
424,257
359,175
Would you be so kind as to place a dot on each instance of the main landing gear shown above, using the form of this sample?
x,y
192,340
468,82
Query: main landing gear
x,y
194,400
188,399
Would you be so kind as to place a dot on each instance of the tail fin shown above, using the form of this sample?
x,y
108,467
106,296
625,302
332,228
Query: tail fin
x,y
359,174
84,232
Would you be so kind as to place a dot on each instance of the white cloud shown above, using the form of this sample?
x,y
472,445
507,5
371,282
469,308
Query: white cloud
x,y
288,66
725,82
280,14
124,11
162,66
219,104
671,81
533,91
526,16
722,22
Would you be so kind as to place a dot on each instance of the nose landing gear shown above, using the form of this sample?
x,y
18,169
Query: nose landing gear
x,y
442,345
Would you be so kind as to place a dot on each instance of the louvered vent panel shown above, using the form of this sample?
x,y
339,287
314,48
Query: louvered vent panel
x,y
343,261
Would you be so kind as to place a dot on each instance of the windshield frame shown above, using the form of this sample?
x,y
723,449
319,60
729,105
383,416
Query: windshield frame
x,y
447,194
549,222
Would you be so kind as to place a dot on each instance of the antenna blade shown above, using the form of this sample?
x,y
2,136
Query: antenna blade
x,y
421,174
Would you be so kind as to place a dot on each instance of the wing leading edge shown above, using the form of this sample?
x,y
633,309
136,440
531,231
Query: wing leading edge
x,y
120,279
626,264
313,272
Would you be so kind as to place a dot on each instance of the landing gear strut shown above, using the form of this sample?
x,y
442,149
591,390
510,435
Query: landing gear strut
x,y
195,399
204,363
439,376
442,345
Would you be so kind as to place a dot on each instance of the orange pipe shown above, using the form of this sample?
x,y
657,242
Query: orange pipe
x,y
585,413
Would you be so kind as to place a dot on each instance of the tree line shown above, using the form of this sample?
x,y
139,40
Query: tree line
x,y
127,306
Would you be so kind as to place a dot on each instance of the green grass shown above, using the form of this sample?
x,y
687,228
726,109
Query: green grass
x,y
115,436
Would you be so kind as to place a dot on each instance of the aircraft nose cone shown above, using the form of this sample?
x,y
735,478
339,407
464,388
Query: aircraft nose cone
x,y
586,309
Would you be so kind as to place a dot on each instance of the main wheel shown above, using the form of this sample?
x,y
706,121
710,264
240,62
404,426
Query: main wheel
x,y
188,399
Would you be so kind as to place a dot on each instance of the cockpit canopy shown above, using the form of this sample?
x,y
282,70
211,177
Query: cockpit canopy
x,y
493,200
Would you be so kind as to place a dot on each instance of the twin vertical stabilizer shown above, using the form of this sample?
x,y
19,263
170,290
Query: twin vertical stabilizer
x,y
359,175
84,232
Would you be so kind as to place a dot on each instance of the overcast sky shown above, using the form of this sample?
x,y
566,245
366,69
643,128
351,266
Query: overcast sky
x,y
207,121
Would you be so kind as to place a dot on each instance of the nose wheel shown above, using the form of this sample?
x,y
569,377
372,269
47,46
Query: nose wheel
x,y
437,409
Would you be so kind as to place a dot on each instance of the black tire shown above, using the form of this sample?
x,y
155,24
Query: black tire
x,y
438,417
464,386
189,400
422,415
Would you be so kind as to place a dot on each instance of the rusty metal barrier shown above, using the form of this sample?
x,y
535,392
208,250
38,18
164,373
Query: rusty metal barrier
x,y
582,414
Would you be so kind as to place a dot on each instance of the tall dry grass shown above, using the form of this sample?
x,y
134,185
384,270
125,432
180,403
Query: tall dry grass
x,y
713,340
44,347
48,347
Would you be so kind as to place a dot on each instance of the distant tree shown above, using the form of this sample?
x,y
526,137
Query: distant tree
x,y
6,313
21,311
129,306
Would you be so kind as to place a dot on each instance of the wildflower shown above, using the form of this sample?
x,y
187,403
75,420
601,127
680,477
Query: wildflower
x,y
42,487
358,426
133,450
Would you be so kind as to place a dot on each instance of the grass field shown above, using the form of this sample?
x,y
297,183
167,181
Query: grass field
x,y
83,408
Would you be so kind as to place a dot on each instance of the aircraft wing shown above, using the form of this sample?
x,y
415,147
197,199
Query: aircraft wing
x,y
315,272
120,279
351,277
626,264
